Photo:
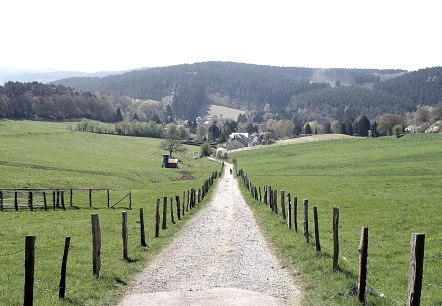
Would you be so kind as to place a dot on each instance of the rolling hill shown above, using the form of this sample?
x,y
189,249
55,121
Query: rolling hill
x,y
243,86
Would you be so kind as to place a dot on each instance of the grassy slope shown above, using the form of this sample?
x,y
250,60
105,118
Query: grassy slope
x,y
48,155
392,186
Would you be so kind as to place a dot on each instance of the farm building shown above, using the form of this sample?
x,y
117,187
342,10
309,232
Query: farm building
x,y
169,162
239,142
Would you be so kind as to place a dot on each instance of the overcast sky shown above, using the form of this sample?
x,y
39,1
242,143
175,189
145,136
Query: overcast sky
x,y
95,35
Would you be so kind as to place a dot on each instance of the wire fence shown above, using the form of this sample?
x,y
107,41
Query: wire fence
x,y
391,259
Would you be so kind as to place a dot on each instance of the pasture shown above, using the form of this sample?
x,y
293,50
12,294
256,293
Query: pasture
x,y
224,112
50,155
392,186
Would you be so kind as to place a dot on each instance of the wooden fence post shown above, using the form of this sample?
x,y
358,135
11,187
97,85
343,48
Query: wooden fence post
x,y
53,199
96,245
289,213
164,224
1,200
363,248
16,201
108,198
45,204
417,245
62,200
271,198
265,194
178,207
157,219
306,235
90,197
260,196
275,199
315,217
70,198
295,213
142,233
172,217
284,216
58,198
184,200
335,237
29,270
30,200
130,200
62,285
124,234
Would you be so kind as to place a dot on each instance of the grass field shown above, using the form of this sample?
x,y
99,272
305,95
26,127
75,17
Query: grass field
x,y
224,112
49,155
392,186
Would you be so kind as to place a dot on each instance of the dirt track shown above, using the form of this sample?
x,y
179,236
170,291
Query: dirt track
x,y
220,258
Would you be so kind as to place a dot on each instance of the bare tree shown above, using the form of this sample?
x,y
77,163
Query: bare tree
x,y
172,141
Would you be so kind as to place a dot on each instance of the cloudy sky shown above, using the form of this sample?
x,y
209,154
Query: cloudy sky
x,y
95,35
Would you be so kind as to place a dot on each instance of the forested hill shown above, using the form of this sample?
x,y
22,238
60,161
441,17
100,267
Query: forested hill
x,y
422,87
193,86
56,102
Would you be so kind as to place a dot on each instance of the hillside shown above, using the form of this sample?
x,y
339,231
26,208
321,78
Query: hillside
x,y
422,87
242,86
56,102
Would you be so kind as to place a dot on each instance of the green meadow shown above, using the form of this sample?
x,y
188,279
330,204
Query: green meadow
x,y
51,155
393,186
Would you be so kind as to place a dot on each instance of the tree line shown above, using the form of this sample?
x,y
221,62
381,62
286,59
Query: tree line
x,y
53,102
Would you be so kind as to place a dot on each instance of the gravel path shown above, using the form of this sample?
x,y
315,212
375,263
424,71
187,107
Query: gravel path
x,y
220,258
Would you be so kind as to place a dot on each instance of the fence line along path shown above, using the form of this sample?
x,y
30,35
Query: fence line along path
x,y
220,258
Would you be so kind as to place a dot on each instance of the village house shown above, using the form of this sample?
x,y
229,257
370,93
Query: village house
x,y
239,141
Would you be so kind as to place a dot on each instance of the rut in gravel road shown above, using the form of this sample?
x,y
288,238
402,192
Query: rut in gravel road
x,y
220,258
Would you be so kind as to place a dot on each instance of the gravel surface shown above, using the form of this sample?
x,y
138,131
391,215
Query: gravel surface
x,y
220,258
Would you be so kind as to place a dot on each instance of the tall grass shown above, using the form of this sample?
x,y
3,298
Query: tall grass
x,y
49,155
392,186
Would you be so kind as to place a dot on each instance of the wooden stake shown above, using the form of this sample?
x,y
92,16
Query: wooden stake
x,y
164,224
157,219
172,217
62,285
62,200
284,216
295,213
30,200
315,217
178,207
96,246
16,201
29,270
335,237
306,235
124,234
417,245
142,233
363,248
45,206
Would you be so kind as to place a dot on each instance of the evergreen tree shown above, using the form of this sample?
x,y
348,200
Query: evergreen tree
x,y
307,129
362,126
374,129
118,115
327,128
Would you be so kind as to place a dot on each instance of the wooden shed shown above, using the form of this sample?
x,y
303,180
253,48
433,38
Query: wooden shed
x,y
169,162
